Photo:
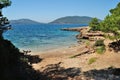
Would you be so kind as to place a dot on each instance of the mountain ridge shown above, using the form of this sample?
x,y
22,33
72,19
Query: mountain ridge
x,y
24,21
62,20
73,20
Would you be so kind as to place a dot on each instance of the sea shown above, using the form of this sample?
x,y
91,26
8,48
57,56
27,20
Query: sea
x,y
41,37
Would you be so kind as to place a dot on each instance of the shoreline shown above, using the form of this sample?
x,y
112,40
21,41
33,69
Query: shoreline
x,y
62,51
50,49
72,49
65,55
53,49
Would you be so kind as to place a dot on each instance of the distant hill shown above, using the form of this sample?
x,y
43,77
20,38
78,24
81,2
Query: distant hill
x,y
24,21
72,20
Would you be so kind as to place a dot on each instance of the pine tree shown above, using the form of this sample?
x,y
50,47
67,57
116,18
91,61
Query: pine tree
x,y
4,23
112,22
94,24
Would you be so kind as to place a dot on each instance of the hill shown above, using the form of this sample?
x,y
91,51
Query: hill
x,y
24,21
72,20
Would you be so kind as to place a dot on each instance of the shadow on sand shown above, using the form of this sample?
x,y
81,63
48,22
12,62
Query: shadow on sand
x,y
55,72
15,65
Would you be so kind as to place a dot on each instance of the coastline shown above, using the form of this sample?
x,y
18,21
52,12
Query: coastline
x,y
52,49
60,54
66,57
58,48
63,50
71,50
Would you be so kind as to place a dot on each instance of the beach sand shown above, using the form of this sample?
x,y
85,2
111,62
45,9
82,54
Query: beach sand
x,y
64,55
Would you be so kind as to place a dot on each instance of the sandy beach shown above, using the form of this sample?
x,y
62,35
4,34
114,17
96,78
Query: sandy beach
x,y
63,55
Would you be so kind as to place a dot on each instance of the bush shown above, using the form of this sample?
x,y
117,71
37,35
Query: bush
x,y
100,50
99,43
94,24
87,43
100,46
92,60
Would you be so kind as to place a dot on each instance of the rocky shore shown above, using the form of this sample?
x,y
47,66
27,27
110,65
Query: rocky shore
x,y
75,29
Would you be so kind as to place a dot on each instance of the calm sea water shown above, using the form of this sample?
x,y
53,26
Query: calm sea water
x,y
41,37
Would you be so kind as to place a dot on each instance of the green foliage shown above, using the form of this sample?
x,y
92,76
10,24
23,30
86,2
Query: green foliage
x,y
4,23
94,24
116,11
110,37
99,43
92,60
111,23
4,3
100,50
100,46
87,43
24,59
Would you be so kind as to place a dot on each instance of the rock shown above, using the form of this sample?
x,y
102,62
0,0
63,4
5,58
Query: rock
x,y
79,36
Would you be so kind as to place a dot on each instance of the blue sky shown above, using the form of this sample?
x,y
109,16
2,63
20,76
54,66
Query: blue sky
x,y
49,10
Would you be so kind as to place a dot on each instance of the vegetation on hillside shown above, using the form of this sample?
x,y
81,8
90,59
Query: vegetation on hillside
x,y
25,21
73,20
4,3
4,23
111,23
94,24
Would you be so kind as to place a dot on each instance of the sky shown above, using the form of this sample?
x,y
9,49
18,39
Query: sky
x,y
49,10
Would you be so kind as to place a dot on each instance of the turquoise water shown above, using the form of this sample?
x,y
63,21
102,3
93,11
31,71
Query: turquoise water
x,y
41,37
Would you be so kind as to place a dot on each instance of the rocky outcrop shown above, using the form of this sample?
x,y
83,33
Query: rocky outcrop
x,y
82,31
86,34
79,29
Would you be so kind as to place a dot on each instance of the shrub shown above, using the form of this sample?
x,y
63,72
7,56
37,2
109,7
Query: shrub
x,y
111,38
24,59
92,60
87,43
99,43
94,24
100,50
